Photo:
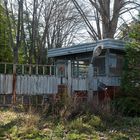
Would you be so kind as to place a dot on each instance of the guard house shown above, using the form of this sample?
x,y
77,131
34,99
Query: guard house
x,y
81,71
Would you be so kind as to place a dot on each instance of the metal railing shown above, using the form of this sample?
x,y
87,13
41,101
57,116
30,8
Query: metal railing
x,y
30,69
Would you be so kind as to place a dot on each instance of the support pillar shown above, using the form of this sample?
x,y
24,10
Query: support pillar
x,y
14,84
69,79
90,80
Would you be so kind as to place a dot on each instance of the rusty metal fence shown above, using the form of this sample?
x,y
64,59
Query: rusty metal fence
x,y
32,82
29,79
27,83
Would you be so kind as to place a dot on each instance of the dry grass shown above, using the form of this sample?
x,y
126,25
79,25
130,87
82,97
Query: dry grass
x,y
7,116
27,126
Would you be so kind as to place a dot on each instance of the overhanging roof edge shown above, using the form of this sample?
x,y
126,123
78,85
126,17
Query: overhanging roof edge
x,y
86,47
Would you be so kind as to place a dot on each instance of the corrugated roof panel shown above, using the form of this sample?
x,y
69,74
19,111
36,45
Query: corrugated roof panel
x,y
86,47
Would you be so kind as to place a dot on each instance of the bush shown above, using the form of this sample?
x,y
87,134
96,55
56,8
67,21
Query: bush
x,y
128,106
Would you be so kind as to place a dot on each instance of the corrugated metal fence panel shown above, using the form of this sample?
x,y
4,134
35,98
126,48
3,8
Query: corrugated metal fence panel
x,y
9,83
6,84
36,84
26,84
62,80
46,84
79,84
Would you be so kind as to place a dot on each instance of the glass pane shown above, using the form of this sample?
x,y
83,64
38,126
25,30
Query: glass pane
x,y
75,70
117,70
113,61
79,69
99,64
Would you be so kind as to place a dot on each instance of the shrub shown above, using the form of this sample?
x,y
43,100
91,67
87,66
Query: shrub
x,y
128,106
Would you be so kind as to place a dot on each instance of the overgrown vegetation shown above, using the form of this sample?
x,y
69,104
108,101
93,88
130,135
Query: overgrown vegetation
x,y
21,126
128,101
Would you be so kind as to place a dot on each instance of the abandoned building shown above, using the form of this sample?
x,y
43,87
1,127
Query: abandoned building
x,y
86,72
83,70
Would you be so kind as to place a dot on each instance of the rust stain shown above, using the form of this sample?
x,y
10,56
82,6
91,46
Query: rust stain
x,y
14,87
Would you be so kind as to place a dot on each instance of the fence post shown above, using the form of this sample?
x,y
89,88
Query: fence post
x,y
43,70
22,69
69,78
14,84
90,84
36,69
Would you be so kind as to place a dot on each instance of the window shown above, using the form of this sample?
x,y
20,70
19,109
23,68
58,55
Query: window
x,y
99,65
61,70
115,64
79,69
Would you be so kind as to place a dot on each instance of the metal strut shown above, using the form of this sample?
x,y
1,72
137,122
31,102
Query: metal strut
x,y
93,33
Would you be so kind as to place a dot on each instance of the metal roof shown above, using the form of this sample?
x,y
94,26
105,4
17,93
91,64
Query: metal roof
x,y
87,47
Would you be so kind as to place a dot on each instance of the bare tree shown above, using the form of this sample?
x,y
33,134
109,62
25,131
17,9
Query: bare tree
x,y
107,14
61,23
49,24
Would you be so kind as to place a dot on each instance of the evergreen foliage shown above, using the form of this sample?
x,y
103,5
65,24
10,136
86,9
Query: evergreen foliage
x,y
131,79
5,48
128,102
